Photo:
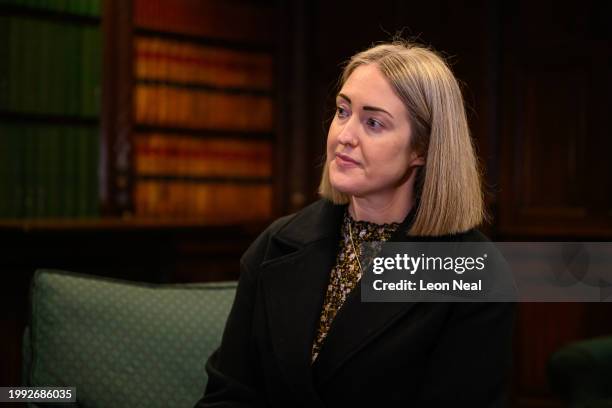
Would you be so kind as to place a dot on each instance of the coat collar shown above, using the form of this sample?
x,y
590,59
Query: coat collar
x,y
294,280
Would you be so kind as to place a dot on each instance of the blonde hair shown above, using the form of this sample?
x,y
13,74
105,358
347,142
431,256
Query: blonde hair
x,y
448,187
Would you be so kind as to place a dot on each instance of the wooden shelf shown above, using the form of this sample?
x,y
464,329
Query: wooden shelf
x,y
195,86
203,133
205,179
202,40
141,223
48,119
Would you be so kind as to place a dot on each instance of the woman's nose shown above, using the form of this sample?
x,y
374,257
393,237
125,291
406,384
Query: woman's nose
x,y
348,133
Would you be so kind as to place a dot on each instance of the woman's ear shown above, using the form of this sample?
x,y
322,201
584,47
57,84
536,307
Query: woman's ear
x,y
417,161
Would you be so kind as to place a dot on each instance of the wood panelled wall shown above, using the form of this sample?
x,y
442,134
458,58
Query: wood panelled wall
x,y
537,84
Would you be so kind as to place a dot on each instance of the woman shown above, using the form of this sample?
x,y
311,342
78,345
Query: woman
x,y
400,167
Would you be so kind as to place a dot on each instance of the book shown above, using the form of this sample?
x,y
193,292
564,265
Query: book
x,y
182,199
181,62
201,109
52,168
207,19
5,63
159,154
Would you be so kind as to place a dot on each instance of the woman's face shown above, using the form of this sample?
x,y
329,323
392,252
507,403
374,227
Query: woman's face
x,y
368,143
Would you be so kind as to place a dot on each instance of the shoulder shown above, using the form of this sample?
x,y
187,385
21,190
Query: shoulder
x,y
472,235
292,231
307,215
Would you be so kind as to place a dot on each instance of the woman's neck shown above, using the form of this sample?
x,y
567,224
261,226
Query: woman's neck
x,y
381,210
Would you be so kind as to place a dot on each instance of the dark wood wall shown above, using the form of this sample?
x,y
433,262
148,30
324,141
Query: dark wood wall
x,y
537,85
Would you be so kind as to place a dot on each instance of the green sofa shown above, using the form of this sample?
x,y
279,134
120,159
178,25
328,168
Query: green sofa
x,y
581,373
123,344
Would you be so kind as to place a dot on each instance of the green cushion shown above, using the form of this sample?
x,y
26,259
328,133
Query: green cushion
x,y
124,344
581,372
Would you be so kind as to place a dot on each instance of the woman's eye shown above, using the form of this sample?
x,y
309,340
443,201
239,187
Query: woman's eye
x,y
341,112
374,124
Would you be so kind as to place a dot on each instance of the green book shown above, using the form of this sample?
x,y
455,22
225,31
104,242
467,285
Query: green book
x,y
45,60
61,170
36,46
86,73
95,7
70,6
94,180
15,178
72,69
29,67
5,54
42,173
15,62
62,69
53,68
44,4
82,173
82,7
96,71
61,5
29,171
53,134
69,169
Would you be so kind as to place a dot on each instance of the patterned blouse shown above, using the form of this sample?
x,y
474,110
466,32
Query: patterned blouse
x,y
346,274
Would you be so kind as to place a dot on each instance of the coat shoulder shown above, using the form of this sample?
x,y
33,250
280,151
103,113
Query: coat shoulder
x,y
288,232
473,235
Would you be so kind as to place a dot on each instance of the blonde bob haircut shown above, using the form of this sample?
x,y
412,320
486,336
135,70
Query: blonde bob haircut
x,y
448,187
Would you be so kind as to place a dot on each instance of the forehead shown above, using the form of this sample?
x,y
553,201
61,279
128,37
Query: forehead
x,y
367,86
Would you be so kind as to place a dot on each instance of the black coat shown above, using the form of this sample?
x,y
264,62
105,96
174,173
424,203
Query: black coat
x,y
375,354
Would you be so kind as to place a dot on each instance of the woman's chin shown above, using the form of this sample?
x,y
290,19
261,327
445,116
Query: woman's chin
x,y
345,188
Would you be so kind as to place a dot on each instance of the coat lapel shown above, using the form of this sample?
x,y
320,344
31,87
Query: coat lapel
x,y
358,323
294,286
294,283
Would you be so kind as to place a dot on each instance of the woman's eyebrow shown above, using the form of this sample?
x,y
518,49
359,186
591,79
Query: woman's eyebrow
x,y
367,108
376,109
343,96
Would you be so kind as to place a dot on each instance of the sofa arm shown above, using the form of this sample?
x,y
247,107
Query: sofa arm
x,y
581,373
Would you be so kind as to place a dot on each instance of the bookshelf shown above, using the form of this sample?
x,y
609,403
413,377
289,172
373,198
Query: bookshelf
x,y
142,111
198,142
50,85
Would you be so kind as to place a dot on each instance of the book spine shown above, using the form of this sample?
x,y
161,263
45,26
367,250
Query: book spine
x,y
86,85
96,47
43,171
17,184
194,157
93,182
29,171
53,134
224,201
198,109
43,70
82,175
69,171
5,63
15,63
29,68
54,71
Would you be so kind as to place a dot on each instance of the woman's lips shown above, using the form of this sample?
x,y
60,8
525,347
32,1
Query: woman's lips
x,y
345,161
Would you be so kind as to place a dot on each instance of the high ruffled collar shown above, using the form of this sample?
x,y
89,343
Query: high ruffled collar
x,y
366,231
